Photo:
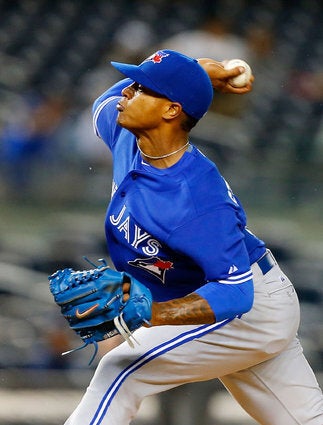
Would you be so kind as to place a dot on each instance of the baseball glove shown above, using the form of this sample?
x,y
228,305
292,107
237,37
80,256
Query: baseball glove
x,y
92,302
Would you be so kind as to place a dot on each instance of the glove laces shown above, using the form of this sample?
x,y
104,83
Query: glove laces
x,y
124,331
96,348
84,275
121,327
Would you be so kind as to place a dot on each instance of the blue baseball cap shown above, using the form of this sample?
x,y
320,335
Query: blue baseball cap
x,y
175,76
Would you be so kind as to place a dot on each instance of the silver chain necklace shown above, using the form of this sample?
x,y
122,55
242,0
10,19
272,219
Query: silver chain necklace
x,y
162,156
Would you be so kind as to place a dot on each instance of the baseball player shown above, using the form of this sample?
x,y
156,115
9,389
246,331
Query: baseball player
x,y
222,307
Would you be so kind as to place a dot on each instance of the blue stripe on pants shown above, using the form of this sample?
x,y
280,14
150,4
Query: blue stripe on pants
x,y
146,358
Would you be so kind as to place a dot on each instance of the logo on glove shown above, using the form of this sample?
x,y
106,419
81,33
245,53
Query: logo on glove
x,y
87,312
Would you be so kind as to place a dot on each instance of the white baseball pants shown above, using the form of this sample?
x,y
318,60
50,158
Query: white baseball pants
x,y
257,357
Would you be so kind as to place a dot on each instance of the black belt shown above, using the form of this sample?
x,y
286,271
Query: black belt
x,y
266,262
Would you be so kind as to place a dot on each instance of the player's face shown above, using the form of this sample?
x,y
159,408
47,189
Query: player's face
x,y
140,109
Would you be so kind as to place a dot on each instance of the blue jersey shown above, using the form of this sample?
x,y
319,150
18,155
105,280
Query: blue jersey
x,y
179,229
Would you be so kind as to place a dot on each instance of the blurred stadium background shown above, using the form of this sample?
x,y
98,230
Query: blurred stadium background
x,y
55,175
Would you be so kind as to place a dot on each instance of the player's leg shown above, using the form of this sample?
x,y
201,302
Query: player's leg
x,y
125,376
167,356
282,390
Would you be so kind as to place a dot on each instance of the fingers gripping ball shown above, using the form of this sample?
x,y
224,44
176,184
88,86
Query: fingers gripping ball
x,y
92,303
240,80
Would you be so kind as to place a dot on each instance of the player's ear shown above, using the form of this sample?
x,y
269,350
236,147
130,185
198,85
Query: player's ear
x,y
173,110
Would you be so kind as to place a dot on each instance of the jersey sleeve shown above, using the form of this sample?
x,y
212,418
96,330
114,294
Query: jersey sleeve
x,y
215,240
105,113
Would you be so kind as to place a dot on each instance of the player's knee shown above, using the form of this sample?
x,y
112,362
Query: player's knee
x,y
116,361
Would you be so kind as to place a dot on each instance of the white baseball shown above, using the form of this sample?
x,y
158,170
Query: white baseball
x,y
242,79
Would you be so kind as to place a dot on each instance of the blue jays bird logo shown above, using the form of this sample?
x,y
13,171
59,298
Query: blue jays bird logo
x,y
153,265
157,57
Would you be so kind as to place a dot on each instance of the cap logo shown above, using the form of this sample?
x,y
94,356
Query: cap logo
x,y
157,57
